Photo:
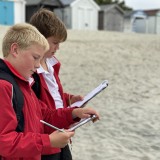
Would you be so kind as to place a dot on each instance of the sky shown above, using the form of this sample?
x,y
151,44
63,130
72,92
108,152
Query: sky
x,y
143,4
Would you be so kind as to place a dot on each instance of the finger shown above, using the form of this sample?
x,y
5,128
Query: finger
x,y
86,115
93,112
95,119
70,133
90,111
80,98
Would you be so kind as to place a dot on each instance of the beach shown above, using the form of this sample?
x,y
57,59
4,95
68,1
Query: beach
x,y
129,127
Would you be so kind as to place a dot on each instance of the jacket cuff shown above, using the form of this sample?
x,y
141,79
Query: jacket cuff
x,y
46,143
73,119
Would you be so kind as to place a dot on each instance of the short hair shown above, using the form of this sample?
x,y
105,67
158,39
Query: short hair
x,y
49,24
24,35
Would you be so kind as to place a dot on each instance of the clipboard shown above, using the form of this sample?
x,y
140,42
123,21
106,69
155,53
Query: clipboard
x,y
74,126
91,95
82,122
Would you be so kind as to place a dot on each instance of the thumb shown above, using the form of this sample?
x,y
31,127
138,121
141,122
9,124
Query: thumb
x,y
70,134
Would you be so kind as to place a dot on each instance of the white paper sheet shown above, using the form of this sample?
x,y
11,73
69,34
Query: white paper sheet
x,y
92,94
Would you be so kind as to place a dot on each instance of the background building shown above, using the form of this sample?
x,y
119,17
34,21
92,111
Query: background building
x,y
33,5
111,18
76,14
153,21
79,14
12,11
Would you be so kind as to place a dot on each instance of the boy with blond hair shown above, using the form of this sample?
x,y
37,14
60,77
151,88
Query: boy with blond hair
x,y
23,48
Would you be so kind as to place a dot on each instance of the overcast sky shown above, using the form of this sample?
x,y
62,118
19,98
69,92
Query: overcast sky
x,y
143,4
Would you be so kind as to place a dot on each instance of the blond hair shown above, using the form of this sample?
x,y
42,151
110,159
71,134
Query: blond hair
x,y
24,35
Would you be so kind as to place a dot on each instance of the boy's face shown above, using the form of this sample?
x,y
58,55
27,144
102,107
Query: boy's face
x,y
53,47
28,60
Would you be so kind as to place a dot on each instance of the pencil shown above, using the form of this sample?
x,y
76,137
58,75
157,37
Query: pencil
x,y
54,127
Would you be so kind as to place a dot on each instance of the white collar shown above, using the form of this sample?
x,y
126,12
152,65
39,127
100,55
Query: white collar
x,y
30,80
51,61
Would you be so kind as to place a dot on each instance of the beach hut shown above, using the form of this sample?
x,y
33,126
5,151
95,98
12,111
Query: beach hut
x,y
153,21
144,21
33,5
127,21
139,21
12,11
158,22
111,17
79,14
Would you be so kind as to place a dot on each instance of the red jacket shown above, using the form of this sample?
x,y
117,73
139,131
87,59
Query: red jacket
x,y
46,97
30,144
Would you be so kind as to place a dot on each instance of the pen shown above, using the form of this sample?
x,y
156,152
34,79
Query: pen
x,y
61,130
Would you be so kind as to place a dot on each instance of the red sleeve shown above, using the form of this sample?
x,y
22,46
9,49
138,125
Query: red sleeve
x,y
67,98
12,142
61,118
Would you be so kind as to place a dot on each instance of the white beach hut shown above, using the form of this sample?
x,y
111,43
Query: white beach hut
x,y
79,14
139,22
153,21
146,21
158,22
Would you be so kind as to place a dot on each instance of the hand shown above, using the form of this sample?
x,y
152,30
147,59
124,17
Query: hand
x,y
60,139
76,98
85,113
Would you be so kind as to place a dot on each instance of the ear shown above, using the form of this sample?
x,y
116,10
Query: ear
x,y
14,49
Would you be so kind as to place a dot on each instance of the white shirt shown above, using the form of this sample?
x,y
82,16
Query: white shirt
x,y
51,81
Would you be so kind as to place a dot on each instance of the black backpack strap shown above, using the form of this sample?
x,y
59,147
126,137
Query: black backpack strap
x,y
37,85
18,99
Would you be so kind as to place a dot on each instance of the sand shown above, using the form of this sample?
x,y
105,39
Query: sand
x,y
129,128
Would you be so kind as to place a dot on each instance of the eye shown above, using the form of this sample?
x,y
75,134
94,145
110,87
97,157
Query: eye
x,y
55,43
36,57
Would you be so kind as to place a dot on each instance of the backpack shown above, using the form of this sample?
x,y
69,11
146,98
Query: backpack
x,y
18,99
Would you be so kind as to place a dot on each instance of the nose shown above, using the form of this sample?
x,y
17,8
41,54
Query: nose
x,y
37,64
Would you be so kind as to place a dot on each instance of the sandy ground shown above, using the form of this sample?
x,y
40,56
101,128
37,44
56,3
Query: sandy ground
x,y
129,128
